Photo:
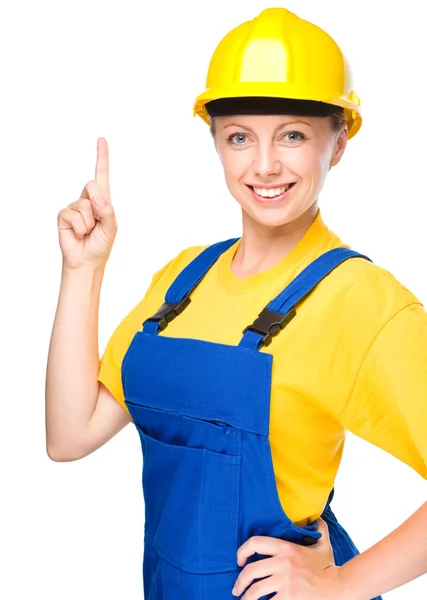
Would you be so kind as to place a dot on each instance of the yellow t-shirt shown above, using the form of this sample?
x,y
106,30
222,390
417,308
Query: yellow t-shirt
x,y
354,357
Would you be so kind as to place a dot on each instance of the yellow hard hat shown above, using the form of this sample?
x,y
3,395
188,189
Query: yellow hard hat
x,y
280,55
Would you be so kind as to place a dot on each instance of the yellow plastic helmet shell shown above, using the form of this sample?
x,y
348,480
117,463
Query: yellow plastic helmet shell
x,y
278,54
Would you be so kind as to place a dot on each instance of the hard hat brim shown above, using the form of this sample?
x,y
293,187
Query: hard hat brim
x,y
265,105
275,90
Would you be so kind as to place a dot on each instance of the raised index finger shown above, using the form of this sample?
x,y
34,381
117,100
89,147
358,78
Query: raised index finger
x,y
102,170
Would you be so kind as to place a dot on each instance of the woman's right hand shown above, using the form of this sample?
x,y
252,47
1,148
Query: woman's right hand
x,y
86,230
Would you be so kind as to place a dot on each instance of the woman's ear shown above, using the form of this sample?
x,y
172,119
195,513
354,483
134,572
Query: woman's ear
x,y
339,148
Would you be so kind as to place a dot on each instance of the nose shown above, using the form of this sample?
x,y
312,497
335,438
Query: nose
x,y
266,161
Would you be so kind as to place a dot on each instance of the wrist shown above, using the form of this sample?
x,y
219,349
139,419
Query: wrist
x,y
348,588
83,271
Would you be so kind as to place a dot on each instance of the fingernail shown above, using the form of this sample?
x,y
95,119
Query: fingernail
x,y
234,591
99,200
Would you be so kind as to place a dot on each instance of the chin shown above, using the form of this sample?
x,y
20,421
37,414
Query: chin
x,y
273,216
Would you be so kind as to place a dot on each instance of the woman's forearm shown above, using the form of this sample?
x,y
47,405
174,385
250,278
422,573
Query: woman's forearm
x,y
73,360
397,559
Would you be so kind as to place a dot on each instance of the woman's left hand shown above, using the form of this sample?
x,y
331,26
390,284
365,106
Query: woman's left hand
x,y
294,572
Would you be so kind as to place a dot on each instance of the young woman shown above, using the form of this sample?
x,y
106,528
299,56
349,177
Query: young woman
x,y
247,359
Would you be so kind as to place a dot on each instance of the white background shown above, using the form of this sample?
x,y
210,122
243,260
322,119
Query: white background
x,y
129,71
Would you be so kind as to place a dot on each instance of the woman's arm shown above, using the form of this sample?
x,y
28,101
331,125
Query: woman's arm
x,y
87,229
80,414
397,559
388,408
300,572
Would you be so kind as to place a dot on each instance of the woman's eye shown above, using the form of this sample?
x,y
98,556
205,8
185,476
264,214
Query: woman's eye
x,y
238,138
294,136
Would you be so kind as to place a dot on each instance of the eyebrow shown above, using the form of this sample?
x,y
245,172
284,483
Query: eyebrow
x,y
277,128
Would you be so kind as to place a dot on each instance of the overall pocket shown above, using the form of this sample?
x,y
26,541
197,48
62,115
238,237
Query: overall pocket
x,y
191,505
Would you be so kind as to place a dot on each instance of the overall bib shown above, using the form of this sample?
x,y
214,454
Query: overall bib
x,y
202,412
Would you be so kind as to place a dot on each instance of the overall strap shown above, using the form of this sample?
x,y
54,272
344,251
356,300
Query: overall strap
x,y
281,310
177,297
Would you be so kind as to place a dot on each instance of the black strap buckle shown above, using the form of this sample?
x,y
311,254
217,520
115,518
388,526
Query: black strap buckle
x,y
269,323
168,311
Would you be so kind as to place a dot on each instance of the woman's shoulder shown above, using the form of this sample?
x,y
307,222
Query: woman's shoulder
x,y
189,253
181,259
367,287
171,269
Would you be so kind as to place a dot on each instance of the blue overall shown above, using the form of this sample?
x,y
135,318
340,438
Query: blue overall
x,y
202,412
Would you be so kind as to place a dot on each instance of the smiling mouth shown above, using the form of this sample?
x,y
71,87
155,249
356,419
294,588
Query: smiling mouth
x,y
271,192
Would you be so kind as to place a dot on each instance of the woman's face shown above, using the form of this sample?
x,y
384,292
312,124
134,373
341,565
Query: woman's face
x,y
263,154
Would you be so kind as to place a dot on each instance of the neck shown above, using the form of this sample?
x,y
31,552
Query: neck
x,y
262,247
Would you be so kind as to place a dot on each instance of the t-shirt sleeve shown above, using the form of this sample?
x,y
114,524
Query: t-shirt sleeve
x,y
111,361
388,402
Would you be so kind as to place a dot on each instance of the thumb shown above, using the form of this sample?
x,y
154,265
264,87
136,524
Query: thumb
x,y
325,544
323,528
104,212
98,203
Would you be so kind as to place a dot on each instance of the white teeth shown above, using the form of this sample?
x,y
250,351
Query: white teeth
x,y
271,192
